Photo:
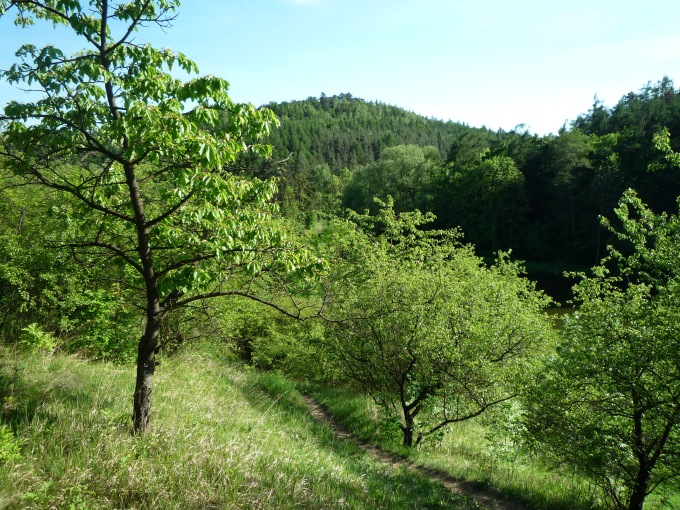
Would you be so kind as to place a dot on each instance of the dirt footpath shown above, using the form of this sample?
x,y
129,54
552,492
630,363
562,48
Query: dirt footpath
x,y
457,485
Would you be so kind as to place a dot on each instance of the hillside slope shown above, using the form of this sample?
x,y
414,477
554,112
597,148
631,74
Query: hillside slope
x,y
345,132
223,438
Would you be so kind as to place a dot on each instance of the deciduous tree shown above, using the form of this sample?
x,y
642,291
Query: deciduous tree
x,y
429,331
144,155
609,403
404,172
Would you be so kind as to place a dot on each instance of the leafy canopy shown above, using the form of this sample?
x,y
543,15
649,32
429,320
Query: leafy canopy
x,y
609,403
429,331
117,106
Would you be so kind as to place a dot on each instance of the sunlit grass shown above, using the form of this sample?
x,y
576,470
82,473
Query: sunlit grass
x,y
222,437
466,452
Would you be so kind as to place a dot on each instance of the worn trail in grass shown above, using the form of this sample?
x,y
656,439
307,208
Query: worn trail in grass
x,y
456,485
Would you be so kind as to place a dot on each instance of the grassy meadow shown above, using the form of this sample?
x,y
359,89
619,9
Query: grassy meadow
x,y
482,454
226,436
467,452
223,437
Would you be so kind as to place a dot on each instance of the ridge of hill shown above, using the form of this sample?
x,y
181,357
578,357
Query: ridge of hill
x,y
541,197
345,132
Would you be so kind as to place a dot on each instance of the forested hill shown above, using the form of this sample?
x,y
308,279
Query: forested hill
x,y
346,132
540,196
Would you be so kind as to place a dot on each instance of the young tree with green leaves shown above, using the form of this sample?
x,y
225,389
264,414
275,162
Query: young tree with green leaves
x,y
407,173
145,156
430,332
609,402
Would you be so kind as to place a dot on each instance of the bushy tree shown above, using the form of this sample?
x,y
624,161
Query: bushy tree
x,y
407,173
490,200
429,331
609,402
143,155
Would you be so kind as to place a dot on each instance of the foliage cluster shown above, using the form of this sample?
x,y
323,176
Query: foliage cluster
x,y
80,301
609,403
424,326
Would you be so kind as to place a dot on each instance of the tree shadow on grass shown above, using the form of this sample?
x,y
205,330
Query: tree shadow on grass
x,y
23,400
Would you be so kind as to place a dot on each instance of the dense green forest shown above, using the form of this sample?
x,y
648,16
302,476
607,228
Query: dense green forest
x,y
539,196
350,250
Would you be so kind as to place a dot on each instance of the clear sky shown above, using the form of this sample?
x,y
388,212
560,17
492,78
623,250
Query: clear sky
x,y
493,63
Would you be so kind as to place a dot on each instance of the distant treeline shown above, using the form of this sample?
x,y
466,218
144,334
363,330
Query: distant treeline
x,y
542,196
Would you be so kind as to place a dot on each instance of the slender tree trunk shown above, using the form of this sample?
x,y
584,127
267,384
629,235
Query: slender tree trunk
x,y
408,435
407,428
146,365
149,343
637,497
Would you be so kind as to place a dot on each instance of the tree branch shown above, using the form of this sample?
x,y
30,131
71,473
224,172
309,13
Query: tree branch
x,y
448,421
112,248
170,211
247,295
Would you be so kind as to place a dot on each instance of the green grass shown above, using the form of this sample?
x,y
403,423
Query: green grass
x,y
222,437
466,452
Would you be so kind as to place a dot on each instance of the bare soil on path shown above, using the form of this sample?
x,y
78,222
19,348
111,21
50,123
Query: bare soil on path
x,y
486,499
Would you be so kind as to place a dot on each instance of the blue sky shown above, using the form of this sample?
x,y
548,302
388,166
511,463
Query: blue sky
x,y
497,63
